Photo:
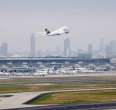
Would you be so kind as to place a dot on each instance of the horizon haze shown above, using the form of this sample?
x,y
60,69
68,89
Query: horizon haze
x,y
89,22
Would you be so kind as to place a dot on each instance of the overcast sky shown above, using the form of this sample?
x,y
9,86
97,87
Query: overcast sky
x,y
88,20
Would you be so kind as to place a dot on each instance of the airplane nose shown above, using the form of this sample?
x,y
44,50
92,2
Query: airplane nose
x,y
66,31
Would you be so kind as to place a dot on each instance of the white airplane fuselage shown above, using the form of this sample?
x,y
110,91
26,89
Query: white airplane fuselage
x,y
63,30
60,31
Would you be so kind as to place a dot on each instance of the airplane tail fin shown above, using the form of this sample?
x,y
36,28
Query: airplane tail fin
x,y
47,31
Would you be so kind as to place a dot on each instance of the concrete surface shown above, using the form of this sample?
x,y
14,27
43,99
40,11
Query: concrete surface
x,y
17,100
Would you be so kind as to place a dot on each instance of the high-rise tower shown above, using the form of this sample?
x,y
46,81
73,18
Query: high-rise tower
x,y
32,46
4,49
67,47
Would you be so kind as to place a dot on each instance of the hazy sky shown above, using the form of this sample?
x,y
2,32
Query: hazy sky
x,y
89,21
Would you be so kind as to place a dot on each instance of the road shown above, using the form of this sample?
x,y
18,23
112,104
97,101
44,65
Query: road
x,y
81,78
19,100
106,106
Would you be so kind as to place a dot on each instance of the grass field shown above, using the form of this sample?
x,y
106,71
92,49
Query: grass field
x,y
9,88
13,85
87,97
45,84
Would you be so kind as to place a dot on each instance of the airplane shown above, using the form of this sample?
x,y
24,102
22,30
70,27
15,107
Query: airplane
x,y
60,31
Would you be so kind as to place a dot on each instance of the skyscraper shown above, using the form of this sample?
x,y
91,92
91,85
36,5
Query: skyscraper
x,y
32,46
111,49
4,49
101,46
90,49
108,51
67,47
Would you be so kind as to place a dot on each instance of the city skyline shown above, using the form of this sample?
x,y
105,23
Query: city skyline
x,y
88,20
102,51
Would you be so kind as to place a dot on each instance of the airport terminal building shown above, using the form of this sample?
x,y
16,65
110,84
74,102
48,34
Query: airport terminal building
x,y
53,60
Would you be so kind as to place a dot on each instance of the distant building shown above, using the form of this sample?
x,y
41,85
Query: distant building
x,y
4,49
108,51
84,56
111,49
32,46
102,46
67,49
90,49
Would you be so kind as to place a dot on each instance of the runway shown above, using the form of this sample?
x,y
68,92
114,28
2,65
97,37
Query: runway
x,y
19,101
16,102
83,78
